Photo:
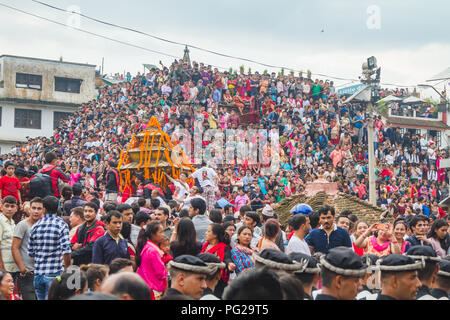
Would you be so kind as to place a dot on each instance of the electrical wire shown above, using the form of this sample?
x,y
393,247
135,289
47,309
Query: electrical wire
x,y
183,44
88,32
162,39
200,48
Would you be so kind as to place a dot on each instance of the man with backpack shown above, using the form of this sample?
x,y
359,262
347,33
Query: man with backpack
x,y
45,183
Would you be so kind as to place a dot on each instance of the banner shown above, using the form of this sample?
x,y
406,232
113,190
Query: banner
x,y
348,91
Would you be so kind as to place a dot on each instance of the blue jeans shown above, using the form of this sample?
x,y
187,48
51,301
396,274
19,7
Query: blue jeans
x,y
42,283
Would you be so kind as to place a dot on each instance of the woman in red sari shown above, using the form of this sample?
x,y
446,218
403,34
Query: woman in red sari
x,y
218,243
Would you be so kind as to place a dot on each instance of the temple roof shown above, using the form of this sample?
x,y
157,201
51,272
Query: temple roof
x,y
340,201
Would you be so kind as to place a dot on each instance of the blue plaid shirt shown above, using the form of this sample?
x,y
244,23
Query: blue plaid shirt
x,y
49,241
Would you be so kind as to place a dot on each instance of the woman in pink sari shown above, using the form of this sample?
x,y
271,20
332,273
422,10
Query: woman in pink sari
x,y
185,91
336,156
378,245
75,175
441,173
149,259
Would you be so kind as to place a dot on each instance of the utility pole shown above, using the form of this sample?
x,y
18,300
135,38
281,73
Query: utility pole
x,y
369,68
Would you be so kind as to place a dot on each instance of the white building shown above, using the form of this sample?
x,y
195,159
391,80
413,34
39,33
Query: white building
x,y
36,93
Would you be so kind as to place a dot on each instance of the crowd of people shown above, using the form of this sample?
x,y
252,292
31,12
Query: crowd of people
x,y
191,254
202,236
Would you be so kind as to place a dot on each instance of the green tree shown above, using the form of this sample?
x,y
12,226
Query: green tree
x,y
382,107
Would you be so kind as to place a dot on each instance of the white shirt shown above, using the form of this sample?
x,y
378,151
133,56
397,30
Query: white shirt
x,y
297,245
187,201
183,192
205,176
193,92
432,153
390,159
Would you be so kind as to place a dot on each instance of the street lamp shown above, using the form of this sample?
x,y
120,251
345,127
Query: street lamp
x,y
370,68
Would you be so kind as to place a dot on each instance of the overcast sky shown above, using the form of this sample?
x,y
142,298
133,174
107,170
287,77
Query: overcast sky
x,y
331,37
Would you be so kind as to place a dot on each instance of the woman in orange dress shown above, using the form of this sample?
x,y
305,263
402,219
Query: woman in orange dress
x,y
379,245
238,102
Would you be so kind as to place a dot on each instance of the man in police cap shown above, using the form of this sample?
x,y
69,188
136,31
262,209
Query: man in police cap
x,y
188,274
212,279
309,274
276,261
399,279
341,270
427,275
441,290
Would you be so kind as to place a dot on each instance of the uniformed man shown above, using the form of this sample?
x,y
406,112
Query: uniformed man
x,y
399,279
427,275
341,271
370,283
188,274
276,261
213,279
441,290
309,274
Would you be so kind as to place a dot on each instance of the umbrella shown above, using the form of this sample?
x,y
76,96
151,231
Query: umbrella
x,y
412,100
150,66
390,98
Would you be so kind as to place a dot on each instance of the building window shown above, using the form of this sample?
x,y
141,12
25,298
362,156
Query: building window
x,y
413,132
29,81
67,85
26,118
58,116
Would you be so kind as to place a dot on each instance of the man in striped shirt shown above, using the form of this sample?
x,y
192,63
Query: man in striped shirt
x,y
49,245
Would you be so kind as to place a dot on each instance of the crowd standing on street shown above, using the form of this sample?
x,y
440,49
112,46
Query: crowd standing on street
x,y
214,233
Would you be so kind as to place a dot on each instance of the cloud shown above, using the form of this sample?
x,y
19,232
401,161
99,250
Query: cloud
x,y
410,46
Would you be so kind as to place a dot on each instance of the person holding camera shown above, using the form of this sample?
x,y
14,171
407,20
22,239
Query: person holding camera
x,y
379,244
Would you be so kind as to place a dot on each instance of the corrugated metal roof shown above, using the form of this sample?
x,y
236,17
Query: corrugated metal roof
x,y
416,122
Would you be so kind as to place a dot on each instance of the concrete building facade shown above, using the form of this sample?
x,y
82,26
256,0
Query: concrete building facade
x,y
36,93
